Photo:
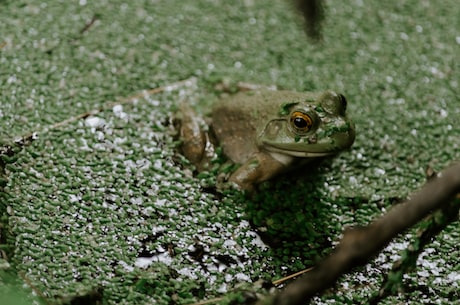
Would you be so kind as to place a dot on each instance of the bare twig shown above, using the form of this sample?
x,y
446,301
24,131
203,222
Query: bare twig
x,y
210,301
78,35
291,276
359,245
37,291
30,137
89,24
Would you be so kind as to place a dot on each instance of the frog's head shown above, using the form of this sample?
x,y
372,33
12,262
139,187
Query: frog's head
x,y
314,127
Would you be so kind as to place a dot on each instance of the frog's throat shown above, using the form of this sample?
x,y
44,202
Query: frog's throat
x,y
284,159
297,153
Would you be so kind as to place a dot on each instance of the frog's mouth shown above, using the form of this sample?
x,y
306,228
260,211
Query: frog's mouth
x,y
301,151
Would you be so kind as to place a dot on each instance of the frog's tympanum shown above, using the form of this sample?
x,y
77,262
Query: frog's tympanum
x,y
268,132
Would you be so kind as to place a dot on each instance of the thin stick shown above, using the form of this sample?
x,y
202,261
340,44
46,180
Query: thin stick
x,y
89,24
31,286
210,301
284,279
33,135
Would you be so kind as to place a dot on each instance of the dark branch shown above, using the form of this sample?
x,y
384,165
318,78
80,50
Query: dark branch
x,y
359,245
429,228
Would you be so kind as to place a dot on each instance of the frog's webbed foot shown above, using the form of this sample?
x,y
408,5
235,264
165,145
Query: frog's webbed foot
x,y
196,143
258,168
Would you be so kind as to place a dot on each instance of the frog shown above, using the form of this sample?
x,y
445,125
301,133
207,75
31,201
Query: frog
x,y
267,132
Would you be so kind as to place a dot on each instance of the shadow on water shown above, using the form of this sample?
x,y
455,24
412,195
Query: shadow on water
x,y
293,217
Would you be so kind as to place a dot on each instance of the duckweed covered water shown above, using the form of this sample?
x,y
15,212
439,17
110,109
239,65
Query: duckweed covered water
x,y
106,207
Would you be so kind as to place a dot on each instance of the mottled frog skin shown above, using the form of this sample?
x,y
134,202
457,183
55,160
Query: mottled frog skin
x,y
269,131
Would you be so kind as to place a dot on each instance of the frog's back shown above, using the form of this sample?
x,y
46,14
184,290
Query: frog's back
x,y
238,119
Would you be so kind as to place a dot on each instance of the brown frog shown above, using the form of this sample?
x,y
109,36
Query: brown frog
x,y
269,131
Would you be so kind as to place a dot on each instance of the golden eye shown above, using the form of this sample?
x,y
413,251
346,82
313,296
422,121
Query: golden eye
x,y
301,122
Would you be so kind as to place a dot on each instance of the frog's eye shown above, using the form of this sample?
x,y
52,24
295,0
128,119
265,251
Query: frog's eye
x,y
301,122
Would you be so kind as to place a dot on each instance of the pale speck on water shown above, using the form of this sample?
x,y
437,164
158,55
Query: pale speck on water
x,y
126,266
379,171
443,113
94,122
118,111
404,36
352,180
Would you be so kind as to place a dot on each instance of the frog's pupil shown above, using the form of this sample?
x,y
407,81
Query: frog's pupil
x,y
300,123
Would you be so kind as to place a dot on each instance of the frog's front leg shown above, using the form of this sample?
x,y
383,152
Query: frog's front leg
x,y
196,145
260,167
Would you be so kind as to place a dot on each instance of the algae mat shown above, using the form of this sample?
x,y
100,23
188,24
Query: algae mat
x,y
102,208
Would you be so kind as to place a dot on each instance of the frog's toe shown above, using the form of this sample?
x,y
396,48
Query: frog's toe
x,y
223,186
